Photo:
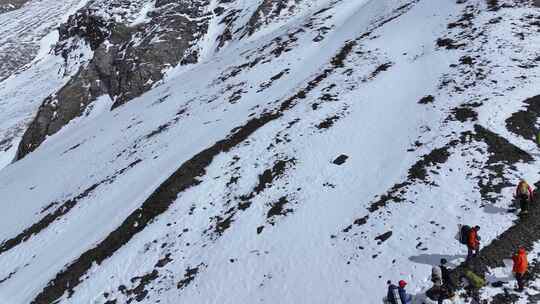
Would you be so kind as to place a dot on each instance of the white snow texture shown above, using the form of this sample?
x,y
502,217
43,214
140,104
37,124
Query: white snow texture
x,y
273,219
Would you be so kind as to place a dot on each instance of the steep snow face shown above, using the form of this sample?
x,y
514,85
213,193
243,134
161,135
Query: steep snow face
x,y
313,151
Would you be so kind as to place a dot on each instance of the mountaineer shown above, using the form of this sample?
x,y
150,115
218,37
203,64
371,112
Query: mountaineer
x,y
469,236
446,280
442,285
524,194
397,294
447,288
520,267
473,242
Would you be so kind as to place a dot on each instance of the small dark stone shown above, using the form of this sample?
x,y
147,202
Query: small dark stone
x,y
497,284
427,99
468,60
383,237
340,160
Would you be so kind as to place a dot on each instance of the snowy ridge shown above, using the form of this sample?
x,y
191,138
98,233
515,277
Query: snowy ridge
x,y
309,158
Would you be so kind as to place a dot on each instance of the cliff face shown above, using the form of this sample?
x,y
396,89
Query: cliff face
x,y
127,58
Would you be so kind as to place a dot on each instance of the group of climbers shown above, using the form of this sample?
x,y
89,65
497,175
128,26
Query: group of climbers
x,y
524,194
443,286
469,236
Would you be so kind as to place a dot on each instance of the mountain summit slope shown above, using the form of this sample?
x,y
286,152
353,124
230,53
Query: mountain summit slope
x,y
263,151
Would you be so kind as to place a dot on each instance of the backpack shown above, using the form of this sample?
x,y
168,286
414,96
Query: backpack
x,y
524,188
392,295
475,280
464,234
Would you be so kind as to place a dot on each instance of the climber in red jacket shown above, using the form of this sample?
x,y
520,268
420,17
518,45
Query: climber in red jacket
x,y
473,242
520,267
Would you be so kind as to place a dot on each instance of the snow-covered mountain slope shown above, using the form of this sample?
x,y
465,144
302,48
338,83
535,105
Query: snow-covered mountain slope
x,y
27,71
310,151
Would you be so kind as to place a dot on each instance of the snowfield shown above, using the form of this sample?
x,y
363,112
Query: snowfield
x,y
334,148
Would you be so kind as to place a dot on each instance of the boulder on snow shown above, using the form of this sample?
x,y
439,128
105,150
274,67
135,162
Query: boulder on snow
x,y
340,160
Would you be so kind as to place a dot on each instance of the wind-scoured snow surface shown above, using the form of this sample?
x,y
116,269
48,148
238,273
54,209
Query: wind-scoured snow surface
x,y
21,31
307,158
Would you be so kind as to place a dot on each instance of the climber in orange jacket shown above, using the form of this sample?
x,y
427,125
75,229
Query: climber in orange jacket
x,y
473,242
520,267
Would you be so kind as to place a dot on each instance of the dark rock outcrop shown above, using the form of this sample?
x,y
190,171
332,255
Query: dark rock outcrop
x,y
85,24
267,11
128,59
523,122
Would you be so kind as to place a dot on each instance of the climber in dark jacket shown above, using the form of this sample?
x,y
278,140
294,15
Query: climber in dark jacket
x,y
390,297
447,282
447,288
392,293
398,295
